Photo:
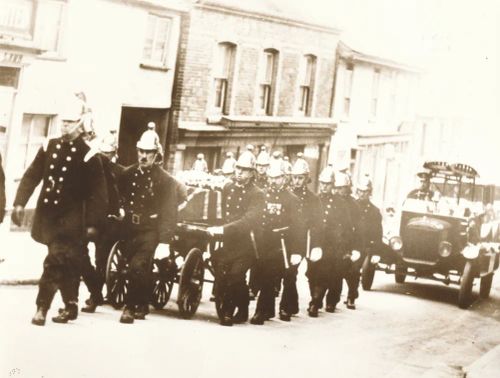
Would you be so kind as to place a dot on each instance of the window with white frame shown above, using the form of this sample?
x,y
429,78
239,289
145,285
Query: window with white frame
x,y
16,17
347,89
375,93
34,130
48,26
156,43
306,84
223,74
267,81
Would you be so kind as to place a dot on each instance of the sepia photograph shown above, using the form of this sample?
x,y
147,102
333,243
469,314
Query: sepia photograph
x,y
249,188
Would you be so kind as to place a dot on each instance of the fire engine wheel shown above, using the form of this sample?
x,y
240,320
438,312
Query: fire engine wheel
x,y
163,282
191,283
367,273
400,275
116,277
485,286
466,281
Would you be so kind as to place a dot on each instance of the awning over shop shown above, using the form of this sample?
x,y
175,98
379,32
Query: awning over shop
x,y
235,130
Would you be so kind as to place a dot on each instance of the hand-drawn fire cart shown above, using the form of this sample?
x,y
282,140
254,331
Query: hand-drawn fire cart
x,y
189,255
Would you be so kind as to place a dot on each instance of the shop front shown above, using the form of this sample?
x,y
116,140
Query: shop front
x,y
289,136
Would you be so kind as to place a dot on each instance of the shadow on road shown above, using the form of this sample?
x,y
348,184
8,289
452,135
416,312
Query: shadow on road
x,y
445,294
201,314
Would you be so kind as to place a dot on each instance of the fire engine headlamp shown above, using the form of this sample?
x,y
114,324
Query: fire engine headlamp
x,y
445,249
396,243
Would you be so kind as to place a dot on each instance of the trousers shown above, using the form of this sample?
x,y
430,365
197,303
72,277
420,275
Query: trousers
x,y
61,271
139,249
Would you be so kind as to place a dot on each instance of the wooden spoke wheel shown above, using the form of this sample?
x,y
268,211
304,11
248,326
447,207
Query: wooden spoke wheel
x,y
191,283
116,276
164,272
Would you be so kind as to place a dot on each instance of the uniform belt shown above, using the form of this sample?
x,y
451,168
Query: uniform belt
x,y
138,219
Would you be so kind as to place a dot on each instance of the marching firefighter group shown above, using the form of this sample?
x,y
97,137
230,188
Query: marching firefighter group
x,y
271,222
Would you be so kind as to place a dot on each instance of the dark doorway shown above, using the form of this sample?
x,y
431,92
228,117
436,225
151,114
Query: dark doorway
x,y
133,123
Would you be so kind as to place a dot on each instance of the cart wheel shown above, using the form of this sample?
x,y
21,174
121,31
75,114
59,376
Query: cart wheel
x,y
164,272
485,286
400,275
466,280
191,283
367,273
116,277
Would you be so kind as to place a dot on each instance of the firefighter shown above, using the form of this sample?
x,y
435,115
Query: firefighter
x,y
370,224
261,167
287,167
150,204
348,265
310,207
242,203
279,249
94,278
424,191
69,210
334,223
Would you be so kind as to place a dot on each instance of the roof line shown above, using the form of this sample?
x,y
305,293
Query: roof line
x,y
211,5
350,53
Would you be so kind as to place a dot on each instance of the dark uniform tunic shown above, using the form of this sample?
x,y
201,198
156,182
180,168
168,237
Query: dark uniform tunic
x,y
281,209
94,278
241,207
351,269
150,204
370,227
261,183
2,191
73,197
336,243
310,208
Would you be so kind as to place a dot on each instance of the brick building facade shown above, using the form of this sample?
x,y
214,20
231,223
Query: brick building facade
x,y
251,76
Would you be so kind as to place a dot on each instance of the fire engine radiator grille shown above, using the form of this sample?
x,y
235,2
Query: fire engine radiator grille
x,y
421,244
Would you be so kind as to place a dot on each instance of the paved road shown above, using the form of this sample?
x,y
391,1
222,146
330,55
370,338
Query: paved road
x,y
409,330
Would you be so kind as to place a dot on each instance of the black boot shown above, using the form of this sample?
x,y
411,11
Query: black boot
x,y
330,308
40,316
258,318
285,316
92,303
350,304
127,315
226,320
70,312
141,311
241,315
312,311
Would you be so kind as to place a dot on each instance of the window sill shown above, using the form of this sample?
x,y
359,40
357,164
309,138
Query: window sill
x,y
52,57
154,66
